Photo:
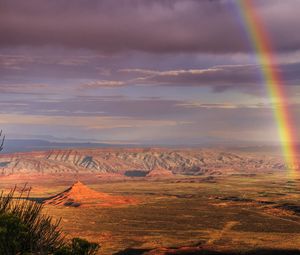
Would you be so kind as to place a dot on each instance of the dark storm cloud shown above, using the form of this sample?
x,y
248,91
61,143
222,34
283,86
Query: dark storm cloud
x,y
144,25
138,70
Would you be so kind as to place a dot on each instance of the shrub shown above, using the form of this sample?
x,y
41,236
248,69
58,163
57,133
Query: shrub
x,y
23,218
12,234
79,246
83,247
25,230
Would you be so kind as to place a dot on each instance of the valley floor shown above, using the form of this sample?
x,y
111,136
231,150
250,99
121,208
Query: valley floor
x,y
226,213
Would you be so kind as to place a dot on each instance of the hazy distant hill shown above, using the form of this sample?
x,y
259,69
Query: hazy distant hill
x,y
23,145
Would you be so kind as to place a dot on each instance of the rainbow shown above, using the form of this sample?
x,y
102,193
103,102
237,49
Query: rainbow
x,y
274,83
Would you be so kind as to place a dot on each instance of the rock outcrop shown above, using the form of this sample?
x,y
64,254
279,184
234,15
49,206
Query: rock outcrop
x,y
81,195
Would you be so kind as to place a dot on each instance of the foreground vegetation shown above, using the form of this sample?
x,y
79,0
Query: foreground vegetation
x,y
24,229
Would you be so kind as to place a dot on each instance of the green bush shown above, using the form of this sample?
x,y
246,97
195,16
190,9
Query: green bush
x,y
12,234
25,230
83,247
40,234
79,246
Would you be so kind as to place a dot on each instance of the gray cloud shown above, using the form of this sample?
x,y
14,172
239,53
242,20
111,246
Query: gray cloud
x,y
102,84
146,25
248,78
216,77
140,121
146,70
23,88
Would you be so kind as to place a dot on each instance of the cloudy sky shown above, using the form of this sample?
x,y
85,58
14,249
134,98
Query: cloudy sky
x,y
142,71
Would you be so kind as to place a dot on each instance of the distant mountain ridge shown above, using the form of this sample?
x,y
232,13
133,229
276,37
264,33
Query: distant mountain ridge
x,y
123,160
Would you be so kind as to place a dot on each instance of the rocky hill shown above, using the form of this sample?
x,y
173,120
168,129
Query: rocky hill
x,y
81,195
135,161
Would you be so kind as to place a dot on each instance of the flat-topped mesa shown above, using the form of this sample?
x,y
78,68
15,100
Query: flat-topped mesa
x,y
81,195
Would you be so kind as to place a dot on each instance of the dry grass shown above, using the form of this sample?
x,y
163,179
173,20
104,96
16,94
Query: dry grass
x,y
185,213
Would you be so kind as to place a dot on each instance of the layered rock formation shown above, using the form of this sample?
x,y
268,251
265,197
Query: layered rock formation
x,y
111,161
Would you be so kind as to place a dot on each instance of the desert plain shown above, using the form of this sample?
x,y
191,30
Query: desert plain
x,y
165,201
